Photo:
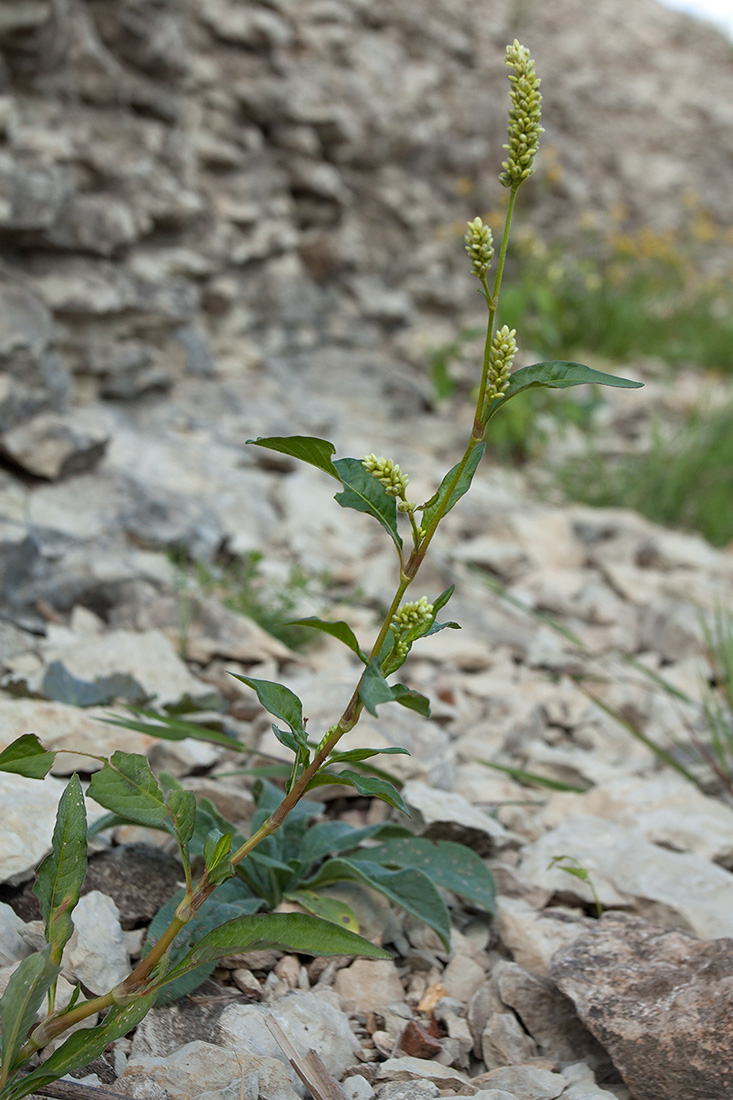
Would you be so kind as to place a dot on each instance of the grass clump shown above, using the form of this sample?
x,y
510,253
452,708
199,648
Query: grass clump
x,y
684,481
623,294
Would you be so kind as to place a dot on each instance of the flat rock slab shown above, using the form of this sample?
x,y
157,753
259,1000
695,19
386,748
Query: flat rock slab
x,y
660,1002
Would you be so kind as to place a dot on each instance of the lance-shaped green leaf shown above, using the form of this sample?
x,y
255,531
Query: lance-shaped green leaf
x,y
327,838
83,1046
340,630
411,699
373,688
410,889
127,787
454,866
27,756
364,493
169,728
59,877
23,996
556,374
216,856
280,701
182,809
452,495
356,755
331,909
372,786
306,448
281,932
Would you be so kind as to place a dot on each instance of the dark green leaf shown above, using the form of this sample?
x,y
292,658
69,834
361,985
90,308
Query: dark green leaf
x,y
364,493
453,495
84,1046
340,630
374,689
306,448
280,701
363,754
60,875
168,728
182,808
281,931
23,996
27,756
289,740
329,837
232,899
440,601
413,700
453,866
409,888
373,787
216,856
556,374
127,786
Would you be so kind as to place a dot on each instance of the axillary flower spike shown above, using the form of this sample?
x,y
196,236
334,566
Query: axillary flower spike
x,y
524,117
479,246
388,474
501,357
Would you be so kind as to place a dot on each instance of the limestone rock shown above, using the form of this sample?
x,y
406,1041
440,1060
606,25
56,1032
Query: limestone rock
x,y
52,446
96,954
659,1001
201,1069
676,888
367,985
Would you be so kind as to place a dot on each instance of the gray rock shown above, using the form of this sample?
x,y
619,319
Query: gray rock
x,y
525,1082
52,446
311,1021
96,954
367,985
202,1069
29,815
659,1001
13,947
678,889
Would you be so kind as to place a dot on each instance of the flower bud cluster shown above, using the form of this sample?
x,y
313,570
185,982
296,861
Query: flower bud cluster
x,y
416,613
387,473
501,357
479,246
524,117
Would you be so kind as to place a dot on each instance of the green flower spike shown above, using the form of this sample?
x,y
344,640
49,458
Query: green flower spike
x,y
524,117
479,246
501,357
387,473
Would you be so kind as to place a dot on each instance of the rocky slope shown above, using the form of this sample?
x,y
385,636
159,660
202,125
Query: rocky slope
x,y
224,220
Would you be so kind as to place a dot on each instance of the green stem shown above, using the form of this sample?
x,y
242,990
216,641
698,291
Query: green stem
x,y
482,405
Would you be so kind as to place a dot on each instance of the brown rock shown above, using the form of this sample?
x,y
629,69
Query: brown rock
x,y
417,1041
660,1002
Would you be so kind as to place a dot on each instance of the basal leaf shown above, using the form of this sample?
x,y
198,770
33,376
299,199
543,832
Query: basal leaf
x,y
306,448
331,909
60,875
278,700
23,996
453,495
556,374
27,756
454,866
410,889
327,838
364,493
340,630
373,688
127,787
281,931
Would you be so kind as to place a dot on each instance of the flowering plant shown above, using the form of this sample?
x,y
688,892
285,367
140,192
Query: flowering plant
x,y
125,784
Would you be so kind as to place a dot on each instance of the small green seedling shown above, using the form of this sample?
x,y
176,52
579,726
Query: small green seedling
x,y
125,785
572,866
